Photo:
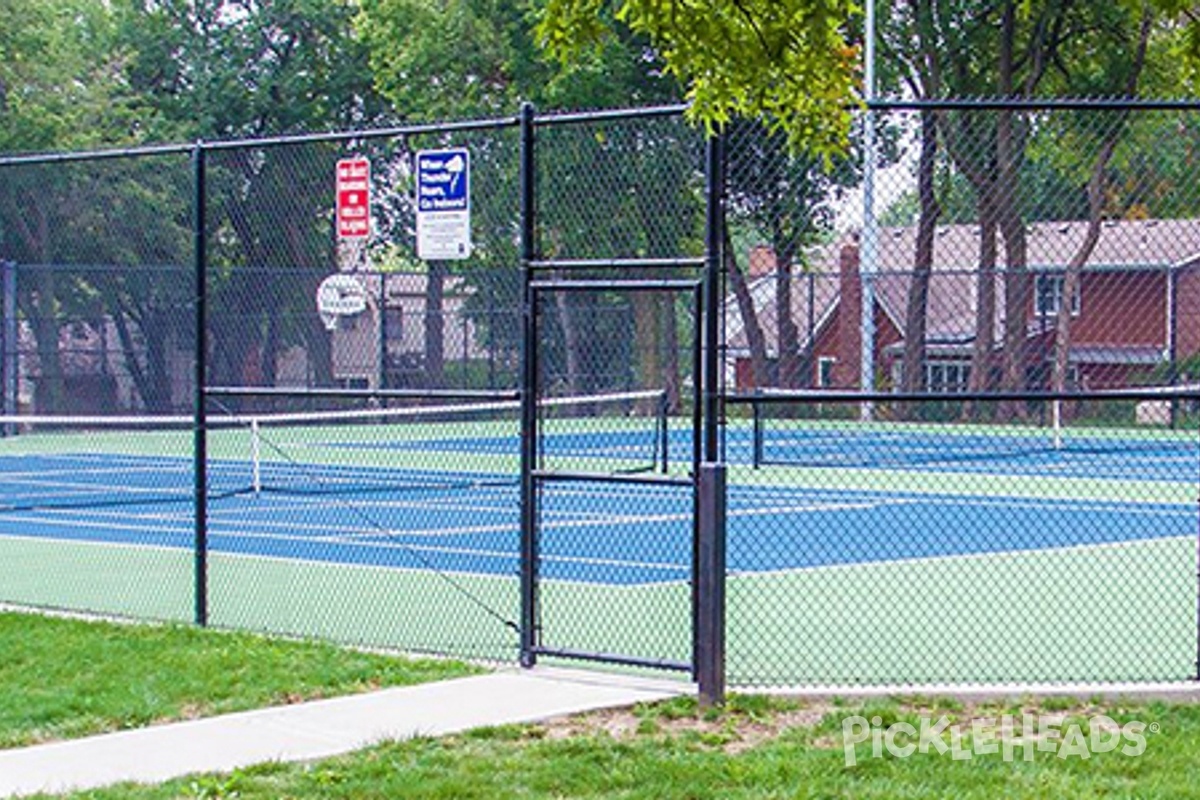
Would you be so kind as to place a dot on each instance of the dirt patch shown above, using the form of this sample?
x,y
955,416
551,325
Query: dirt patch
x,y
745,725
730,731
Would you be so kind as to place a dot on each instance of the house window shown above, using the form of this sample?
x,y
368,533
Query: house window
x,y
1048,294
947,376
825,370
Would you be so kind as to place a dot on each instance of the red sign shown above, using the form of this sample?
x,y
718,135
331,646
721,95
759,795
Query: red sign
x,y
353,198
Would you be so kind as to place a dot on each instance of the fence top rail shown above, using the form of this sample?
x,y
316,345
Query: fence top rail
x,y
781,396
1035,104
271,141
494,123
96,155
609,115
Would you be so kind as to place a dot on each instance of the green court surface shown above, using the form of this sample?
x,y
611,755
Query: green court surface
x,y
838,576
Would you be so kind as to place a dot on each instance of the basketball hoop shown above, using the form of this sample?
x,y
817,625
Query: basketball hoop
x,y
340,295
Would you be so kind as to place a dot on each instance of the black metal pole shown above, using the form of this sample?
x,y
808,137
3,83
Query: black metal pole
x,y
708,545
698,384
710,585
199,430
714,226
381,378
664,431
756,435
10,350
529,392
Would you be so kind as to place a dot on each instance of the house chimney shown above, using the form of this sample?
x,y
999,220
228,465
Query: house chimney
x,y
762,261
847,372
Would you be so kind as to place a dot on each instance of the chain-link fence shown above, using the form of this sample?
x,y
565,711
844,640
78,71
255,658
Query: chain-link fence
x,y
952,458
959,421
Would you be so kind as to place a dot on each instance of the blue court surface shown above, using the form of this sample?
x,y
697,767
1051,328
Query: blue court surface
x,y
616,534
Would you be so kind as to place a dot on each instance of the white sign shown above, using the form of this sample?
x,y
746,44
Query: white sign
x,y
444,204
341,295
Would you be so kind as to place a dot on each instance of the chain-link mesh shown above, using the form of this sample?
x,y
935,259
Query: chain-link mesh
x,y
960,424
606,539
625,191
98,321
1028,514
397,517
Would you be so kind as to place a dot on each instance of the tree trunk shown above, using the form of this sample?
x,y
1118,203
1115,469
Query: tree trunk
x,y
672,381
788,375
915,317
1016,305
1009,154
566,321
44,305
1095,192
647,343
756,340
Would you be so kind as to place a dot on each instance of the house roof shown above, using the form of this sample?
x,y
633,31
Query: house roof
x,y
1124,245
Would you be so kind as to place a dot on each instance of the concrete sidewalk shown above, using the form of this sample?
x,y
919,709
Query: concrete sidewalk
x,y
318,729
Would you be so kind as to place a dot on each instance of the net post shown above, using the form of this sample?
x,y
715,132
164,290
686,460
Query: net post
x,y
9,350
1056,422
756,433
664,433
255,457
529,396
199,428
709,578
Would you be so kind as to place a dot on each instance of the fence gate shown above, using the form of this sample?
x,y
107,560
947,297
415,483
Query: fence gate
x,y
609,524
622,516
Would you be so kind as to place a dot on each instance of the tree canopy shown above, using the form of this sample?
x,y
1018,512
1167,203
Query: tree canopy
x,y
794,62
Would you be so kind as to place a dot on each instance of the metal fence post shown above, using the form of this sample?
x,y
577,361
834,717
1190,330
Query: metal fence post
x,y
199,429
708,550
10,349
710,584
529,392
713,235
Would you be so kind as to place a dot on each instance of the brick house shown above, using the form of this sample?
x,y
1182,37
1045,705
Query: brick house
x,y
1137,310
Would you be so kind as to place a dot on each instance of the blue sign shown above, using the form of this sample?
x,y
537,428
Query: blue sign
x,y
443,180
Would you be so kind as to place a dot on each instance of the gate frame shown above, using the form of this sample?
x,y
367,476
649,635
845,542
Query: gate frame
x,y
707,478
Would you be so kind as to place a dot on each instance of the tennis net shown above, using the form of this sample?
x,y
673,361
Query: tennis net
x,y
1136,432
69,462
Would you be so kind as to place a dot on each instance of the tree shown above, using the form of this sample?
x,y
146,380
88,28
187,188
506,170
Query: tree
x,y
1017,51
913,25
790,61
787,196
431,77
243,68
1129,62
58,90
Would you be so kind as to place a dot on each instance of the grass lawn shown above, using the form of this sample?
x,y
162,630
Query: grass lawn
x,y
65,678
757,748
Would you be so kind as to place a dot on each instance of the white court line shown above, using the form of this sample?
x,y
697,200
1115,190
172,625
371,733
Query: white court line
x,y
7,475
69,523
514,555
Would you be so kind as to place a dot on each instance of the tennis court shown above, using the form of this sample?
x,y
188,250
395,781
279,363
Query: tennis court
x,y
309,524
467,523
